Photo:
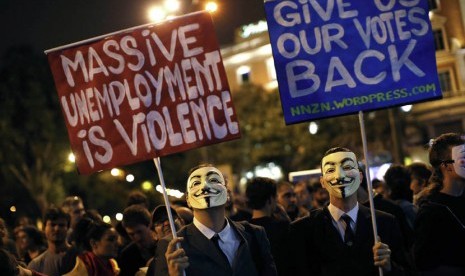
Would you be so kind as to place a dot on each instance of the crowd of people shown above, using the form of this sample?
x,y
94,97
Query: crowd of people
x,y
318,228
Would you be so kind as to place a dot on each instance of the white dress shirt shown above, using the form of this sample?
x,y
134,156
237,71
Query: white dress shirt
x,y
228,241
339,223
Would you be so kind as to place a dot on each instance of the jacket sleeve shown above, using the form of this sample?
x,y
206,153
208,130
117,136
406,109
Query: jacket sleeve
x,y
161,267
268,266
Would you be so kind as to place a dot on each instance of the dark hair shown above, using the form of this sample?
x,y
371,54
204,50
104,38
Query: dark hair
x,y
160,214
334,150
54,213
420,171
70,201
8,264
135,215
259,190
397,178
87,230
34,234
440,152
137,197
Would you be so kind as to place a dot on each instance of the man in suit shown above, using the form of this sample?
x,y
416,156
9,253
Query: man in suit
x,y
213,244
338,239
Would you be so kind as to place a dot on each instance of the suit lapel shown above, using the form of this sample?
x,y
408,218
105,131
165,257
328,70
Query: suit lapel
x,y
205,247
242,250
364,227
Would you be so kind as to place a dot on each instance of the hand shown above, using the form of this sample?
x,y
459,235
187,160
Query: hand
x,y
176,258
382,255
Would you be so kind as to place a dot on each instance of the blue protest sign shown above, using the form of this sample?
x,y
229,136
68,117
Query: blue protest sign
x,y
336,57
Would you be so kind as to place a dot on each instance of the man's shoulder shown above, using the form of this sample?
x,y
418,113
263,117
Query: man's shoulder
x,y
129,250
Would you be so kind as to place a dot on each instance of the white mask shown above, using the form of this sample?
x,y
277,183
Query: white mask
x,y
341,176
206,188
458,155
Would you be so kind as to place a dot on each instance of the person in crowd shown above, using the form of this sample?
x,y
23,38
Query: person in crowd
x,y
338,239
160,223
397,178
261,198
185,214
100,242
74,206
137,197
136,222
419,177
303,193
320,196
439,226
161,227
9,266
286,197
60,257
386,205
213,244
236,207
380,187
31,243
5,241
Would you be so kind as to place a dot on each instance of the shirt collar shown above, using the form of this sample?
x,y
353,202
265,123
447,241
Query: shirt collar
x,y
336,213
207,232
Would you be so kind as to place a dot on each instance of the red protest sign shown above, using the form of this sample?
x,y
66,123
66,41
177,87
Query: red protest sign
x,y
142,93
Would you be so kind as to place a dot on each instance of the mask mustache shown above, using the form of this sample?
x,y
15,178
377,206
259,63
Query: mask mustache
x,y
206,191
341,181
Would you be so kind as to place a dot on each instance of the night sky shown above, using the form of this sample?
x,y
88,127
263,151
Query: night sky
x,y
46,24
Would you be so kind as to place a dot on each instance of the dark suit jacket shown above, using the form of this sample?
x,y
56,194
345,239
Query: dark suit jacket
x,y
315,246
253,257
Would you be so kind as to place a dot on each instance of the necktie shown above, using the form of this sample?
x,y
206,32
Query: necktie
x,y
215,239
349,234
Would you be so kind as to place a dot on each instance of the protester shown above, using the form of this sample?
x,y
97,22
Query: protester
x,y
74,206
320,196
214,244
138,198
397,178
261,198
161,227
5,240
419,177
31,243
286,197
101,247
304,196
136,222
60,257
439,227
10,267
338,239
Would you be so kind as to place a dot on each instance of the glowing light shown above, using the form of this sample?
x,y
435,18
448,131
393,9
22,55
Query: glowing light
x,y
313,128
71,158
171,192
116,172
211,7
119,217
172,5
106,219
156,14
130,178
406,108
13,209
254,28
147,185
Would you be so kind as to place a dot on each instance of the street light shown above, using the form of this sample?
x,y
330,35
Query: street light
x,y
211,6
156,14
172,5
